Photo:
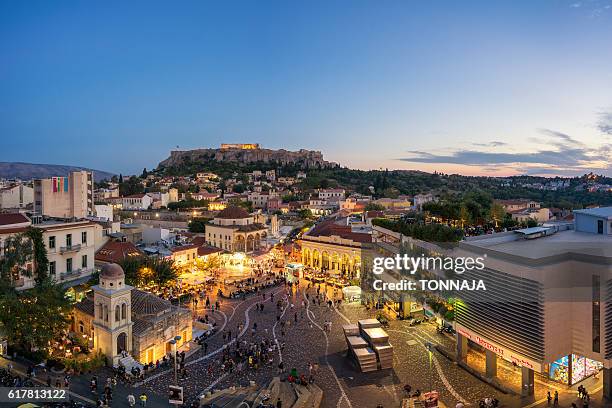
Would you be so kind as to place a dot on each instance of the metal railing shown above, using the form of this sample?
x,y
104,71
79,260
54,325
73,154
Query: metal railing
x,y
70,248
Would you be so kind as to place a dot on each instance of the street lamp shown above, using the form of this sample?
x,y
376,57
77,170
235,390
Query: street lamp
x,y
174,342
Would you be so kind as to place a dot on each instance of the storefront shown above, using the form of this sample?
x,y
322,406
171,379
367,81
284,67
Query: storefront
x,y
573,369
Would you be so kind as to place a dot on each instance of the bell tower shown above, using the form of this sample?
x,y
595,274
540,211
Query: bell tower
x,y
112,313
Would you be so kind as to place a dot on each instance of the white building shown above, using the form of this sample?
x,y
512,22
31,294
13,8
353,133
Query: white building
x,y
16,196
136,202
104,212
334,194
70,248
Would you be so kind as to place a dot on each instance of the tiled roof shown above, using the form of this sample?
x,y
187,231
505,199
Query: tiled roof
x,y
329,227
183,248
141,326
86,306
144,303
207,250
13,218
117,251
233,212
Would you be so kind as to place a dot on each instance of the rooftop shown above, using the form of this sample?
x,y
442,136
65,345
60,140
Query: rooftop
x,y
604,212
233,212
570,243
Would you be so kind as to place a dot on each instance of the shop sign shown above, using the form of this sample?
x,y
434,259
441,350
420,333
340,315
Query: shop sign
x,y
503,352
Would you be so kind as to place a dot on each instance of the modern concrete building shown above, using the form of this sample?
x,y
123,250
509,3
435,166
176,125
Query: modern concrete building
x,y
16,196
65,197
547,307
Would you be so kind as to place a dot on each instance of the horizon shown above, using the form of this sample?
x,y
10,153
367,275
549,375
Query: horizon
x,y
477,89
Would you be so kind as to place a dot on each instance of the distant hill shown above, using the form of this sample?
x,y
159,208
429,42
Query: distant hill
x,y
27,171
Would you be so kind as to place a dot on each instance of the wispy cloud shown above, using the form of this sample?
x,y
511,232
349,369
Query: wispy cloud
x,y
604,124
563,154
490,144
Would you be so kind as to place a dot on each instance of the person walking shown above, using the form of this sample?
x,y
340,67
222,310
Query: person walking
x,y
548,397
556,399
143,400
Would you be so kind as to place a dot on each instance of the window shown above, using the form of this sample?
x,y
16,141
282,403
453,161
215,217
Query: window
x,y
68,240
117,313
84,261
52,268
69,265
123,311
52,242
84,237
596,294
600,226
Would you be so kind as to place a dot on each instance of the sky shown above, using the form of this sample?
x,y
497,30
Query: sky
x,y
479,87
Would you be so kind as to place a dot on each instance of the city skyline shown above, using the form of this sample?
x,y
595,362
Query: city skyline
x,y
476,89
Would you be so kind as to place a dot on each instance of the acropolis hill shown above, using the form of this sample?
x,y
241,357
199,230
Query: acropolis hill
x,y
249,153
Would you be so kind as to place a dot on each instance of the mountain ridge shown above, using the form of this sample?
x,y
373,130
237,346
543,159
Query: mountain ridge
x,y
28,171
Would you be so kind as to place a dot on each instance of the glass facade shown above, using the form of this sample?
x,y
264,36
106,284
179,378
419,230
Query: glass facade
x,y
581,368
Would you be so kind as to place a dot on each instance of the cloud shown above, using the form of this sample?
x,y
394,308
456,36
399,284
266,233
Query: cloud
x,y
562,155
604,124
490,144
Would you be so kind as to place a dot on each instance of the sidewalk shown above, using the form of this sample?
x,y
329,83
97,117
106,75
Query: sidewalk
x,y
79,386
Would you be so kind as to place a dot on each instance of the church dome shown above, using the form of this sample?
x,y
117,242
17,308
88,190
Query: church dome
x,y
112,271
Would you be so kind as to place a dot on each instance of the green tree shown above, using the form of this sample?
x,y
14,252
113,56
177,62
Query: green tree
x,y
39,253
198,224
18,252
163,270
32,318
498,213
374,207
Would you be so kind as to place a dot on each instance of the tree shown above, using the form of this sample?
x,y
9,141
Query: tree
x,y
144,174
464,215
163,269
305,213
198,224
374,207
39,254
238,188
18,252
32,318
498,212
531,223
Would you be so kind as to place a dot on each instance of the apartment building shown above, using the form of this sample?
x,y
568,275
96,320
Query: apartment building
x,y
334,194
65,197
70,248
16,196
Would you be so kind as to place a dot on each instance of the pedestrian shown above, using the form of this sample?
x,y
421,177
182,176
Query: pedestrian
x,y
143,399
548,397
556,400
131,400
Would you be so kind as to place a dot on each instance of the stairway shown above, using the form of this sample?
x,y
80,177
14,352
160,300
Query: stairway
x,y
128,362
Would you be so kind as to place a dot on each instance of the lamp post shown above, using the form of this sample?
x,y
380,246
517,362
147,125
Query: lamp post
x,y
174,342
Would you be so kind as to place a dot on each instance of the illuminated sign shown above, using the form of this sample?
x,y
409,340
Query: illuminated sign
x,y
503,352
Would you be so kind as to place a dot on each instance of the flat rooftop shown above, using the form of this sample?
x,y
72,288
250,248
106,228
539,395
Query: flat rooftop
x,y
569,243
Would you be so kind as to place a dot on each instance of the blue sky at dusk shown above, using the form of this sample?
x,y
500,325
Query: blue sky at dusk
x,y
482,87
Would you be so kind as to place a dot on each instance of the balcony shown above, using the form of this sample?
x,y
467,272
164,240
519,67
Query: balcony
x,y
75,273
70,248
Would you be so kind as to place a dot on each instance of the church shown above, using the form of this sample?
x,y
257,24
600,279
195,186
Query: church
x,y
122,319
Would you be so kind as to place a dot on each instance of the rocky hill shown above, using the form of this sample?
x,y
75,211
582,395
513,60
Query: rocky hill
x,y
306,159
28,171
